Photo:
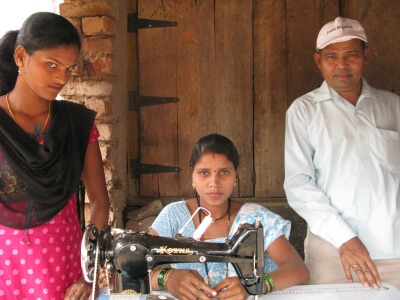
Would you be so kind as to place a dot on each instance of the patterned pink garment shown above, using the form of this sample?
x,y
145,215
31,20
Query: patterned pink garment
x,y
43,269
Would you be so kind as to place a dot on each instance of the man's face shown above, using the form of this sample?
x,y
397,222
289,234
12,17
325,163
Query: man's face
x,y
342,64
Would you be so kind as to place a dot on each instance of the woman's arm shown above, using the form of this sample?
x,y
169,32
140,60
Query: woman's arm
x,y
95,185
291,268
291,271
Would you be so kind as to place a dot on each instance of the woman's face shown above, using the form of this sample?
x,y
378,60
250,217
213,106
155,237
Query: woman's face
x,y
214,177
47,71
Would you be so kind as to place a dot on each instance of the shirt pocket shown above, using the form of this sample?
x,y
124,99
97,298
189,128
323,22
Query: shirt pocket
x,y
385,147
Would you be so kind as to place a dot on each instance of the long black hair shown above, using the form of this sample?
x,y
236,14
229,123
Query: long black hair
x,y
215,143
41,30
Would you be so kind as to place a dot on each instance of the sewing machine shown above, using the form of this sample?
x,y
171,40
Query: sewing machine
x,y
130,256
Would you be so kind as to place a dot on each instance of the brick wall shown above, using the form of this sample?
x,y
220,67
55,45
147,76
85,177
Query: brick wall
x,y
100,84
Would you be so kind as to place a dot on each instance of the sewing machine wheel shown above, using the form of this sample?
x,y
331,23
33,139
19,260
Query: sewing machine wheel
x,y
88,251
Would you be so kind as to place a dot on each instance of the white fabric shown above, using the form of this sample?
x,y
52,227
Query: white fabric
x,y
323,262
342,167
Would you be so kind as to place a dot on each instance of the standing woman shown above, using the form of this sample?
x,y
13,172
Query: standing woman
x,y
46,146
214,162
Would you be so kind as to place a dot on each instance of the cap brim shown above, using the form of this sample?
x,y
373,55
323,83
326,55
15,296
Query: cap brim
x,y
339,40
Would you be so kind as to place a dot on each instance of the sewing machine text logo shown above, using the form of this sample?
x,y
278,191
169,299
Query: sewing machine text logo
x,y
172,251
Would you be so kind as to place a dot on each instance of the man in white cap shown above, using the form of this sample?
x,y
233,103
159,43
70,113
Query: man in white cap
x,y
342,165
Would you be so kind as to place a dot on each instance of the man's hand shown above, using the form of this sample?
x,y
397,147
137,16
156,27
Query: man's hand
x,y
354,255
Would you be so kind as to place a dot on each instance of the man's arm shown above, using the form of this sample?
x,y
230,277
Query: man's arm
x,y
310,202
302,192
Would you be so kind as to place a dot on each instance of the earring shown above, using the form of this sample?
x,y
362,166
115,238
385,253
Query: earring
x,y
20,68
236,181
193,185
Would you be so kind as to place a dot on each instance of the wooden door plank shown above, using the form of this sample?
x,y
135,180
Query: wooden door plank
x,y
284,69
132,119
157,77
302,32
215,80
196,80
270,84
233,101
381,21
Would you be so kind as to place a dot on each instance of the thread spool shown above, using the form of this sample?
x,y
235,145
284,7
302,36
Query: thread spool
x,y
202,228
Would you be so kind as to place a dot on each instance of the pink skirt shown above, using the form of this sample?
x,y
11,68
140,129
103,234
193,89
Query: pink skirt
x,y
43,262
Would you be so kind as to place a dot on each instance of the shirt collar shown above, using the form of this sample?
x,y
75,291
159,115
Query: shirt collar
x,y
325,92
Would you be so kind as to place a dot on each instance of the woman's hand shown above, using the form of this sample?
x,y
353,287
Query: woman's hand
x,y
231,288
79,290
188,284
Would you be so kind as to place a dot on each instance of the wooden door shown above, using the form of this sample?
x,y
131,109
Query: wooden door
x,y
206,62
284,69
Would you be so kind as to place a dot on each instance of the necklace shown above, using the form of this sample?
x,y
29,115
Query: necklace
x,y
37,126
228,211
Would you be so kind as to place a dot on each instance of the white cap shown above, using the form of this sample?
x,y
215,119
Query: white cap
x,y
340,30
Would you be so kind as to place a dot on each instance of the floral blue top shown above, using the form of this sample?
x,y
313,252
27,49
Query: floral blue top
x,y
175,215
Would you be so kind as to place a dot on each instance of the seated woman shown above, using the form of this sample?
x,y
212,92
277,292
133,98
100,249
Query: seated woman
x,y
215,162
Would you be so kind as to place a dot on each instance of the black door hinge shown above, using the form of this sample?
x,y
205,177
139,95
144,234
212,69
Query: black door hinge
x,y
137,168
134,23
136,101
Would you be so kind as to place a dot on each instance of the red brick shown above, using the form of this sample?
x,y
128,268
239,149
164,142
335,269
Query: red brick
x,y
79,10
101,66
92,46
97,25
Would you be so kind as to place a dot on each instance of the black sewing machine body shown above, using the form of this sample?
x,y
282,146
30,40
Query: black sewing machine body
x,y
129,256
